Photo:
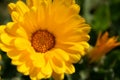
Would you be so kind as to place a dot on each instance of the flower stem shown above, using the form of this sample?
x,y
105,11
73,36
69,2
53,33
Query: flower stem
x,y
69,77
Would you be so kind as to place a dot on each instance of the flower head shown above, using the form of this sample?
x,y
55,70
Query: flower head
x,y
103,45
45,37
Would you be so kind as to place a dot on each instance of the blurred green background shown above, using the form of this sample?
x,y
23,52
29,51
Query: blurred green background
x,y
102,15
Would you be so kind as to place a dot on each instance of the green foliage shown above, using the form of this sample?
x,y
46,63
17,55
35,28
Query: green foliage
x,y
101,20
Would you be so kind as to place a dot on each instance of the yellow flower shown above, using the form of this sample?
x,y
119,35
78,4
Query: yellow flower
x,y
45,38
103,45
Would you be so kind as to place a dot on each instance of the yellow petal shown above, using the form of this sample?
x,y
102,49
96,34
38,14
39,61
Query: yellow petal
x,y
17,10
79,48
25,57
41,16
21,43
11,28
2,27
23,69
41,75
74,58
74,9
58,76
84,44
16,62
15,16
33,78
69,24
5,47
57,65
37,3
47,70
70,68
78,38
34,72
64,2
30,2
14,54
21,7
38,59
6,39
30,24
12,7
83,29
15,30
61,54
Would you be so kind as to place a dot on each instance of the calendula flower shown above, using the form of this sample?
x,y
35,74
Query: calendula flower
x,y
103,45
45,37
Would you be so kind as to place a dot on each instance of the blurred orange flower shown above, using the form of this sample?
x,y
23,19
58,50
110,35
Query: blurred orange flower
x,y
103,45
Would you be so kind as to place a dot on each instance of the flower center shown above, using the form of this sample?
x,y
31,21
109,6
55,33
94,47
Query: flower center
x,y
42,41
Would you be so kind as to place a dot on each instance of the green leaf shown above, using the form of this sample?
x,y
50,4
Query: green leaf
x,y
101,19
